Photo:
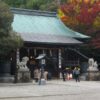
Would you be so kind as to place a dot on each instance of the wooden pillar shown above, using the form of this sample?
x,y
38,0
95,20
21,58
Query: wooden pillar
x,y
28,51
43,51
34,52
17,61
50,51
17,56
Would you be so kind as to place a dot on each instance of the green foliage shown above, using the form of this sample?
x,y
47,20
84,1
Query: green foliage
x,y
6,19
9,43
9,40
50,5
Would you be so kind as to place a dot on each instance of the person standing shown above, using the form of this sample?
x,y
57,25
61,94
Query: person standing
x,y
31,65
45,74
76,74
36,74
64,74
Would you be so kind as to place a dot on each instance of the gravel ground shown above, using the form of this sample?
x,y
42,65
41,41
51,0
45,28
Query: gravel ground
x,y
55,89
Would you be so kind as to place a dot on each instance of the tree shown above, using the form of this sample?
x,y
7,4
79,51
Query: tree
x,y
5,20
9,40
49,5
83,16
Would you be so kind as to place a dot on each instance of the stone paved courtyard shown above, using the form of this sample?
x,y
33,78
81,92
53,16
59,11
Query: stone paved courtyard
x,y
53,90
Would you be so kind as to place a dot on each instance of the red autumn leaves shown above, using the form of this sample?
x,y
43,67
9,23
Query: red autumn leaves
x,y
83,16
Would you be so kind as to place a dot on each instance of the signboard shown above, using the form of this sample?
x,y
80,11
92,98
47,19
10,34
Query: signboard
x,y
43,61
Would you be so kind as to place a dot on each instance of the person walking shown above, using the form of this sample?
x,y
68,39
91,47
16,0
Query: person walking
x,y
76,74
31,63
64,74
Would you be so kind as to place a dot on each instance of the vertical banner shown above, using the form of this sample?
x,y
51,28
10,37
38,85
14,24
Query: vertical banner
x,y
17,56
34,52
28,52
59,58
59,55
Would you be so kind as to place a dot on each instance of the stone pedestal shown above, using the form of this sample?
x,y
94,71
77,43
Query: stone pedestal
x,y
93,76
23,75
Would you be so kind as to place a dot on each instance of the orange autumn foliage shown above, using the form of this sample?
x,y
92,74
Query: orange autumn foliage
x,y
83,16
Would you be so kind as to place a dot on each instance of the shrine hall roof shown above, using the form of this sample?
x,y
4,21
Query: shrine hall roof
x,y
42,26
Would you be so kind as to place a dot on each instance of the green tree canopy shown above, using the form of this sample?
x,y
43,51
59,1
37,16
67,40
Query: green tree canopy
x,y
6,19
49,5
32,4
9,40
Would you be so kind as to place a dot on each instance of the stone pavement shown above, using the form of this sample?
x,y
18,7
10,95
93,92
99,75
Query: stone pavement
x,y
54,89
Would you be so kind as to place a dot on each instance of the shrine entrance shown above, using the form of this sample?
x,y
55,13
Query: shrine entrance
x,y
54,63
52,59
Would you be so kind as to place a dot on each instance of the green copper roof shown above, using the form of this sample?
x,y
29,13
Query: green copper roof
x,y
29,23
42,25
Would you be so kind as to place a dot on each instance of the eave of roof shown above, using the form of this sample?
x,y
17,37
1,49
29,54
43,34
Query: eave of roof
x,y
51,39
33,12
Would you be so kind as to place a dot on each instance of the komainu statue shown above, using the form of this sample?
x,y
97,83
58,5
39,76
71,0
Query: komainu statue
x,y
22,65
93,72
93,66
23,71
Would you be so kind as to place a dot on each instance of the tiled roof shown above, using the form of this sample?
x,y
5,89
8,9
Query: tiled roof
x,y
39,26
